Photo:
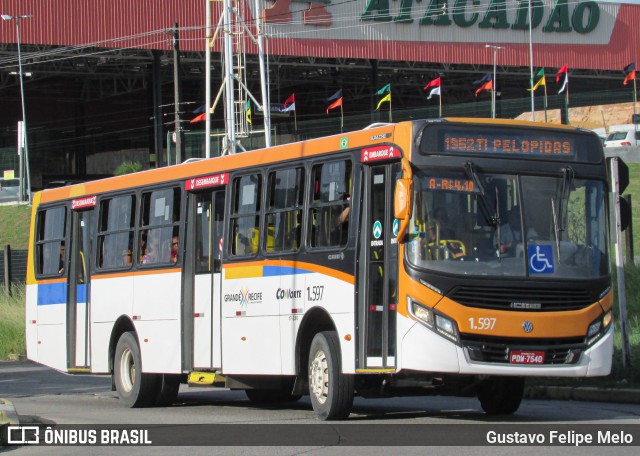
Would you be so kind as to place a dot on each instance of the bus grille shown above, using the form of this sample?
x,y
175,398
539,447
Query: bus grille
x,y
488,350
524,299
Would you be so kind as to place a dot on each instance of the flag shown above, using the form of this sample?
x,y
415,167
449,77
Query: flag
x,y
630,72
335,96
435,83
485,86
434,91
631,75
541,82
335,104
386,98
565,70
291,102
385,89
249,112
199,118
485,78
199,109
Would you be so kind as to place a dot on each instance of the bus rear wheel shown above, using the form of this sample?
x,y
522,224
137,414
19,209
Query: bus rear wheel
x,y
168,386
501,395
331,391
135,389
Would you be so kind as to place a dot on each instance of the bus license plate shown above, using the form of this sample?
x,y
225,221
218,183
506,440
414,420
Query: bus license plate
x,y
526,357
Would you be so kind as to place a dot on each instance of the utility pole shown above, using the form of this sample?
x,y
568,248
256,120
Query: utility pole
x,y
177,93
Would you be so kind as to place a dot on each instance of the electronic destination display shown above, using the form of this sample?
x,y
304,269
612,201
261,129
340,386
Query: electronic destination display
x,y
510,142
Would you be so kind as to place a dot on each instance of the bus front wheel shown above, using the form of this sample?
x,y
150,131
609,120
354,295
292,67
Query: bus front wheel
x,y
135,389
331,391
501,395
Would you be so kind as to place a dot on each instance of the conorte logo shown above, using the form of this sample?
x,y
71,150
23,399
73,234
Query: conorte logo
x,y
23,435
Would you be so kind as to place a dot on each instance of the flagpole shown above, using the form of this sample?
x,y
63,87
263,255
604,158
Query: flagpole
x,y
390,118
635,98
440,101
341,118
545,101
295,120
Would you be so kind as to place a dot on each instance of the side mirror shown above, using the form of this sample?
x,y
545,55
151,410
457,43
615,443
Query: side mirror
x,y
402,205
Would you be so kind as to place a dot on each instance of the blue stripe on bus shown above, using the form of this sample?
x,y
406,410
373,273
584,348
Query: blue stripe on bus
x,y
56,293
274,271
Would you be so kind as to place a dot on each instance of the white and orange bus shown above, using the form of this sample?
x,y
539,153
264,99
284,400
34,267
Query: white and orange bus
x,y
453,256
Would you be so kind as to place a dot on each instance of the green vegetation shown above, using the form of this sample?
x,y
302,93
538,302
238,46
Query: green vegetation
x,y
12,337
14,226
634,190
128,167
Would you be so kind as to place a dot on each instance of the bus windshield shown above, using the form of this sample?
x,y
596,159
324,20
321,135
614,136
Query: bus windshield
x,y
484,224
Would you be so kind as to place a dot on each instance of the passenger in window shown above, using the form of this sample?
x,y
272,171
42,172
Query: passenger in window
x,y
174,249
126,257
151,254
143,246
61,261
340,228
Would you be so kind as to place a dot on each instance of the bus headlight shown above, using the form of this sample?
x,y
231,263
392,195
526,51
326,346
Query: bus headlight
x,y
422,313
435,321
598,328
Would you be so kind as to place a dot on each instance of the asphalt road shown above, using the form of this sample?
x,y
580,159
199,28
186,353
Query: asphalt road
x,y
41,395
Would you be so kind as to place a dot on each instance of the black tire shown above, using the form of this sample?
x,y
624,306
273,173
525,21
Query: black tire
x,y
501,395
331,391
135,389
168,386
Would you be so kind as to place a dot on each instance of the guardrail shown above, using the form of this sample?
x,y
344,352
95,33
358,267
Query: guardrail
x,y
13,267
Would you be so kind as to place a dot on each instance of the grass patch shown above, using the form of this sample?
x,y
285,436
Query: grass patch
x,y
12,336
634,190
14,226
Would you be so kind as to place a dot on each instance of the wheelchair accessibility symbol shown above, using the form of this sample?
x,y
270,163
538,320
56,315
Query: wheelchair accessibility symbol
x,y
540,259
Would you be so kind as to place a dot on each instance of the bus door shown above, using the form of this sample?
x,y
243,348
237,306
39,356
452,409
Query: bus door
x,y
202,279
379,279
78,286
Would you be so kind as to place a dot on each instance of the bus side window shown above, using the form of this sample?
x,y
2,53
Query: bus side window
x,y
285,200
50,241
330,204
245,214
115,232
160,227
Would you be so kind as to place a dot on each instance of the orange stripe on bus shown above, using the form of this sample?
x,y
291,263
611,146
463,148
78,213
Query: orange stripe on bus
x,y
291,264
115,275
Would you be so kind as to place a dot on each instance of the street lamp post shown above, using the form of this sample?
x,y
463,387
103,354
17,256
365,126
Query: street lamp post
x,y
16,19
533,105
493,92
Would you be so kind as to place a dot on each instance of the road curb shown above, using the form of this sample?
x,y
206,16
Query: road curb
x,y
583,393
8,413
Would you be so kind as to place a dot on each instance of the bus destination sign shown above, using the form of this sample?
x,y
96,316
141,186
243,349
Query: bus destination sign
x,y
500,143
213,180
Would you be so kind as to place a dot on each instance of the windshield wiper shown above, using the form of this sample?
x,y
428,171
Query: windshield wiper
x,y
491,214
563,204
561,214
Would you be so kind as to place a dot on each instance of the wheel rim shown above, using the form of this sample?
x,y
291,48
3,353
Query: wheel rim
x,y
319,377
127,370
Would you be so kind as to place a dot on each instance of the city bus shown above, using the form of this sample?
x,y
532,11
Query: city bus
x,y
452,256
